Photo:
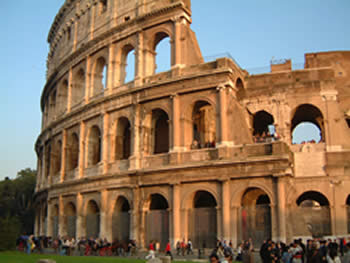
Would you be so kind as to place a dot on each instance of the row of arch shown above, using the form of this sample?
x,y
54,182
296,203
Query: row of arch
x,y
310,217
203,135
125,70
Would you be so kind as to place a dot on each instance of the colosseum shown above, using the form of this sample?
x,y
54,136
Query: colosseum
x,y
201,151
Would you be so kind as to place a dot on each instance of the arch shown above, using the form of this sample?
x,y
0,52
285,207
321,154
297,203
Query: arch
x,y
157,223
121,220
94,146
52,108
261,122
102,5
160,130
73,152
348,212
240,88
92,219
255,215
127,65
203,125
202,227
308,113
312,215
78,87
163,52
70,219
99,76
122,145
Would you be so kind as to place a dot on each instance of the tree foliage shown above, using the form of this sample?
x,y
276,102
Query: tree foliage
x,y
16,202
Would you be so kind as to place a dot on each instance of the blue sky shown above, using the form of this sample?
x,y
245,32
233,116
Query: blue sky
x,y
252,31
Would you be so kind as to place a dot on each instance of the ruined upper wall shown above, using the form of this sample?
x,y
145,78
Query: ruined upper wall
x,y
81,21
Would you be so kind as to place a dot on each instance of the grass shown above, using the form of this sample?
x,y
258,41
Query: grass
x,y
18,257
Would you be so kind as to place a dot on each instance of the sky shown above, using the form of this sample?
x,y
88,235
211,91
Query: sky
x,y
252,31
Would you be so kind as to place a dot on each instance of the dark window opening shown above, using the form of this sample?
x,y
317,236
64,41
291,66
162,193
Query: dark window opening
x,y
161,131
204,199
95,145
158,202
123,139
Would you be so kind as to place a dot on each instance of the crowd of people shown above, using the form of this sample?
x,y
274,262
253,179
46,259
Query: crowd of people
x,y
80,247
266,137
314,251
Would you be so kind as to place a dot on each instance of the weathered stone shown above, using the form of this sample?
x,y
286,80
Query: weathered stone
x,y
180,154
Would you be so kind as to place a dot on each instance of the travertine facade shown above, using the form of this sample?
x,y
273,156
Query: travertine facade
x,y
119,160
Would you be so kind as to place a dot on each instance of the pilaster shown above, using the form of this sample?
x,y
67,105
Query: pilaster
x,y
226,213
105,143
63,156
81,149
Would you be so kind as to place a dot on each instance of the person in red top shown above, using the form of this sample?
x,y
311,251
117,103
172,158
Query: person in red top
x,y
168,250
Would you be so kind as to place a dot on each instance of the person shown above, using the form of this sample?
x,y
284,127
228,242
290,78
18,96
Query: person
x,y
178,247
168,250
227,256
151,254
333,255
213,258
346,258
189,247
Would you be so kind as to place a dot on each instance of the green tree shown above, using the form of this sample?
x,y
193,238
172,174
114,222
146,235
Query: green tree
x,y
17,211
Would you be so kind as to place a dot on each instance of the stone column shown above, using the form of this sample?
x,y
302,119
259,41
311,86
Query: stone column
x,y
139,60
88,80
226,217
81,149
62,228
36,222
281,208
49,231
143,228
63,156
176,214
70,87
105,143
338,209
177,58
222,132
219,221
111,68
176,111
104,232
136,138
274,221
234,225
80,224
134,224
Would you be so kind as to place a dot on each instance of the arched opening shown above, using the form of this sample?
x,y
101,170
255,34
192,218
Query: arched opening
x,y
55,221
348,212
203,220
71,217
92,220
308,121
157,226
100,76
63,97
123,139
94,146
78,89
263,125
312,216
204,125
306,132
162,49
121,220
255,216
44,220
73,152
57,157
160,121
103,5
127,69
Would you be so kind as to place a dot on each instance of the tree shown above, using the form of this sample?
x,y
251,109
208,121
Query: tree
x,y
17,211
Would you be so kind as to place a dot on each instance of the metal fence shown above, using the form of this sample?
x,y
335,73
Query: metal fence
x,y
157,227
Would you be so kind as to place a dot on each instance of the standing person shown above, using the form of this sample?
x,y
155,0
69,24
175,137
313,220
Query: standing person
x,y
297,252
333,255
168,250
346,258
189,247
178,247
183,247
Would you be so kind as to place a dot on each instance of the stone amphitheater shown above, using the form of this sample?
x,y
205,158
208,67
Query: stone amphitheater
x,y
185,153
